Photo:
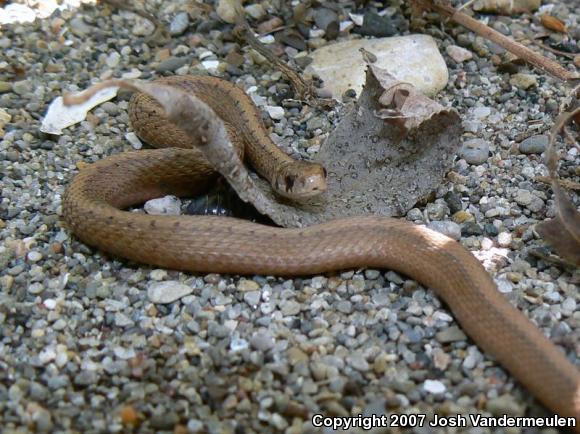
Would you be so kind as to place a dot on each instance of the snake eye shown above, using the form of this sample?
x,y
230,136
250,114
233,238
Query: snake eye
x,y
290,179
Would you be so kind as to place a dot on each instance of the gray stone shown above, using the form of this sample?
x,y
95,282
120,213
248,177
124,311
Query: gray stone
x,y
171,64
475,151
451,229
450,334
534,145
502,405
262,341
79,27
179,23
22,87
357,361
167,292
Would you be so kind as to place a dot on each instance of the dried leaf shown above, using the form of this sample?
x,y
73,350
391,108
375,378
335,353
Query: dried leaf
x,y
390,150
553,23
563,231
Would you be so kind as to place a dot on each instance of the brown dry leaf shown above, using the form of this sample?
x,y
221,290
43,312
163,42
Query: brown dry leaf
x,y
563,231
552,23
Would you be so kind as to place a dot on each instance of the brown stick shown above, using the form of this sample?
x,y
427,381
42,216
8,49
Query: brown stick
x,y
524,53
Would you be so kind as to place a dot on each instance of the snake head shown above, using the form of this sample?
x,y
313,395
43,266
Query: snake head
x,y
300,179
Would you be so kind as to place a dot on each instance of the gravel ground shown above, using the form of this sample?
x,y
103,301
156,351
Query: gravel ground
x,y
89,343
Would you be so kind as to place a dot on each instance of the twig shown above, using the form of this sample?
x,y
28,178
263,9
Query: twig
x,y
568,184
524,53
553,50
160,35
302,89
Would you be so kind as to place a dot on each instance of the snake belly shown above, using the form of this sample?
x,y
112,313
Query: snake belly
x,y
93,209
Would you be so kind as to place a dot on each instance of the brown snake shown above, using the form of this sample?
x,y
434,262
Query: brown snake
x,y
94,201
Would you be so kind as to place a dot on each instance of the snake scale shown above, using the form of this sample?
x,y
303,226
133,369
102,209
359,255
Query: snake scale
x,y
93,209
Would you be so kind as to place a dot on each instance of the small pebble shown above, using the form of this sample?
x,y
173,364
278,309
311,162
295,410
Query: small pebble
x,y
167,291
168,205
524,81
275,112
475,151
434,386
459,54
451,229
534,145
179,24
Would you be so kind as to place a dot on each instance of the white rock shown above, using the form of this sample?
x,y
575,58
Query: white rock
x,y
504,239
480,113
158,274
267,39
168,205
210,64
134,140
167,292
50,303
459,54
142,27
256,11
113,59
34,256
48,354
124,353
414,59
434,386
275,112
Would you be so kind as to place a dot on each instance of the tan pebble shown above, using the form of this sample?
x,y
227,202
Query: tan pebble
x,y
380,365
56,247
180,429
129,415
53,68
81,165
269,25
245,285
462,217
195,40
296,355
92,119
6,283
456,178
163,54
235,59
152,311
56,25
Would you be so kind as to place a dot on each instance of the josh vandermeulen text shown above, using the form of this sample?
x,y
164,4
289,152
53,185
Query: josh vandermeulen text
x,y
420,420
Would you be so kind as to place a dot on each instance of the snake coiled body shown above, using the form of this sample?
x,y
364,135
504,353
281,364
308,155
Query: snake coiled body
x,y
94,202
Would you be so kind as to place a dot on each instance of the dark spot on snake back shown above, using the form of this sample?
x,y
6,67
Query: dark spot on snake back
x,y
290,179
